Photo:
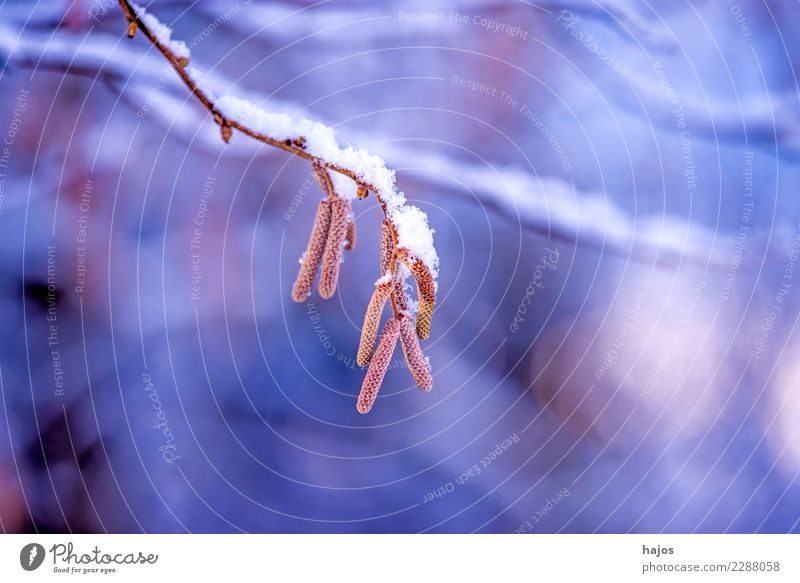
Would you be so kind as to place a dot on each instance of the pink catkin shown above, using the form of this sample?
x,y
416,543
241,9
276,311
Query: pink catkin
x,y
372,319
332,256
314,252
413,353
377,368
425,287
426,291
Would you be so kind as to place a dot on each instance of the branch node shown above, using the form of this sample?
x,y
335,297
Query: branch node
x,y
226,132
225,129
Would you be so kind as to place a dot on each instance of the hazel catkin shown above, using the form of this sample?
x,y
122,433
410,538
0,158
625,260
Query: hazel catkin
x,y
314,251
332,257
377,368
426,290
372,319
413,353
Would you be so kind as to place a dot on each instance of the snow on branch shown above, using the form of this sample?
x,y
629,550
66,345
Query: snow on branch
x,y
549,206
411,241
302,137
161,33
344,174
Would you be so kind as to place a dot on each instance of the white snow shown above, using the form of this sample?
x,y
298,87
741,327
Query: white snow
x,y
413,305
413,232
549,205
162,32
411,223
385,278
344,187
274,125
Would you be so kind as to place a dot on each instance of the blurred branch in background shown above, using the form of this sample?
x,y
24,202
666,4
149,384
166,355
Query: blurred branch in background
x,y
634,389
325,17
546,205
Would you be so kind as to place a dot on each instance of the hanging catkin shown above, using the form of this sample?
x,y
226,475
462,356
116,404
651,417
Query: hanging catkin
x,y
372,320
416,361
314,252
426,291
378,366
332,256
424,316
334,229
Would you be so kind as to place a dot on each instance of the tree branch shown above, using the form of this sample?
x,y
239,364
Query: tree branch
x,y
411,237
548,206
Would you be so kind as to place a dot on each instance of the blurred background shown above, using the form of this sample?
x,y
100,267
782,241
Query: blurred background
x,y
613,186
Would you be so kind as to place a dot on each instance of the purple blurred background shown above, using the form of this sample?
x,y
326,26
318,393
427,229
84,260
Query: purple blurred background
x,y
613,186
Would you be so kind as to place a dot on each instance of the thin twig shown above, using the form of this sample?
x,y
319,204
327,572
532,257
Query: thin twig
x,y
294,147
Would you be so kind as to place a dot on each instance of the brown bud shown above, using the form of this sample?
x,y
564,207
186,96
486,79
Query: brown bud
x,y
372,319
363,192
386,246
413,353
314,251
132,28
181,62
226,132
377,368
332,256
